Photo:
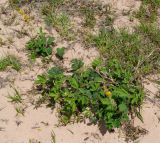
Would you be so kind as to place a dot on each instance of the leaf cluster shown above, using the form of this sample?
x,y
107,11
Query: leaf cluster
x,y
41,45
83,93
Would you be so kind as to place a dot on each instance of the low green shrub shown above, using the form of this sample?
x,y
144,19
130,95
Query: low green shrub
x,y
105,93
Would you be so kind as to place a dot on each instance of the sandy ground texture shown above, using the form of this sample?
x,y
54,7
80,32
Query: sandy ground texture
x,y
23,123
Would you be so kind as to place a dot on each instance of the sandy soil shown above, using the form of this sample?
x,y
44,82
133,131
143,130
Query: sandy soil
x,y
36,125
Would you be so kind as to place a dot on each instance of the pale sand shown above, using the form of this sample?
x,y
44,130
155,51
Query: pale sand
x,y
37,124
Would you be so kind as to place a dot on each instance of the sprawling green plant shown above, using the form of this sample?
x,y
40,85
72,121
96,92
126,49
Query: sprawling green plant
x,y
41,45
104,92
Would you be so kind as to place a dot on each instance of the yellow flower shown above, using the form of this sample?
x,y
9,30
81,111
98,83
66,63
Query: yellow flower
x,y
20,11
108,93
26,18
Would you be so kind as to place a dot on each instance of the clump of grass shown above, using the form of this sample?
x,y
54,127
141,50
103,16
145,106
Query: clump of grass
x,y
136,52
16,98
108,20
154,3
20,110
62,24
50,6
148,11
60,21
47,11
10,61
150,33
89,14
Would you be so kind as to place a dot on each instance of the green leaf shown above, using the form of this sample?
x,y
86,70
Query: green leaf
x,y
55,71
120,92
41,79
97,62
65,119
116,123
84,100
76,64
73,83
73,104
122,107
105,101
55,96
48,51
60,52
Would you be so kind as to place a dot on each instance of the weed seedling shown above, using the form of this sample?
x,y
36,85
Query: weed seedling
x,y
16,98
20,111
41,45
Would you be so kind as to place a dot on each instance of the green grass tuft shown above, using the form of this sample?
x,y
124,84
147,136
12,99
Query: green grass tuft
x,y
148,11
137,52
10,61
16,98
